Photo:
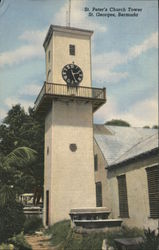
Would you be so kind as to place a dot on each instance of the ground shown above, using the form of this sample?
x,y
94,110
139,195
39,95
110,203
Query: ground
x,y
39,242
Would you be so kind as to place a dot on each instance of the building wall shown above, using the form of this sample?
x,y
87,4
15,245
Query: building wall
x,y
100,176
62,57
47,161
49,64
59,48
70,174
137,193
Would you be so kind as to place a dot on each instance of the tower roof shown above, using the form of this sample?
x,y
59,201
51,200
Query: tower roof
x,y
65,29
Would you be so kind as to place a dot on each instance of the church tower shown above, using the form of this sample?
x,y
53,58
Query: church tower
x,y
67,101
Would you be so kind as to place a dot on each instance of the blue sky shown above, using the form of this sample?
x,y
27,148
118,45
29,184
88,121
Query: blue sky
x,y
124,54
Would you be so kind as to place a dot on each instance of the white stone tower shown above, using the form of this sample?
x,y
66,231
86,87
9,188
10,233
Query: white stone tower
x,y
67,101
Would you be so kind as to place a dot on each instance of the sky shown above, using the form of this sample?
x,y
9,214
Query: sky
x,y
124,53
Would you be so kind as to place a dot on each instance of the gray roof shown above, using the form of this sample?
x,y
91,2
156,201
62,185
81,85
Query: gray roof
x,y
121,143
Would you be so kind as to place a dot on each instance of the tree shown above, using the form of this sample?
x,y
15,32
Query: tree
x,y
21,129
116,122
11,211
12,169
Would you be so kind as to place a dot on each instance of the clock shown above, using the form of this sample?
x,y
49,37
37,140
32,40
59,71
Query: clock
x,y
72,74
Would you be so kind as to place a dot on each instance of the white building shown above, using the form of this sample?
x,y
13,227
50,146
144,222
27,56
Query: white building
x,y
85,166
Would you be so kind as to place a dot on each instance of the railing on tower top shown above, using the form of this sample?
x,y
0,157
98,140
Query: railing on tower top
x,y
62,90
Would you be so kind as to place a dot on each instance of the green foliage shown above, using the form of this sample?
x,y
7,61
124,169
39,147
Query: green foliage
x,y
59,232
116,122
18,130
151,240
11,219
11,212
91,241
20,242
67,239
6,194
123,233
32,224
7,247
11,168
20,157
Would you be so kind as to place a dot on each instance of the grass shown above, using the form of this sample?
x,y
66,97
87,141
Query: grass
x,y
32,224
61,233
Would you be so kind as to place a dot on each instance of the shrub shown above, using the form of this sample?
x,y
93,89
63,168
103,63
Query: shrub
x,y
6,247
20,242
59,232
32,224
151,240
11,219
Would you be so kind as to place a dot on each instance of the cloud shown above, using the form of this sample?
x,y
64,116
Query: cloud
x,y
3,113
32,89
33,39
104,64
78,17
151,42
140,114
10,101
33,49
33,36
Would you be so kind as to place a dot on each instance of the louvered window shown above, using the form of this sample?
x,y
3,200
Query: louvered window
x,y
98,194
153,190
123,200
72,49
96,162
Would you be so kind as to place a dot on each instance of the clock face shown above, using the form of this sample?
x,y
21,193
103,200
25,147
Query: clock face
x,y
72,74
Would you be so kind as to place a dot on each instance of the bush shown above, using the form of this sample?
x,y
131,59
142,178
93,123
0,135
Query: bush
x,y
7,247
59,232
32,224
20,242
151,240
67,239
12,219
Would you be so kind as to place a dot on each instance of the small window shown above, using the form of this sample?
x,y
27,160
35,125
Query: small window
x,y
49,56
123,200
48,74
72,49
153,190
98,194
96,162
47,150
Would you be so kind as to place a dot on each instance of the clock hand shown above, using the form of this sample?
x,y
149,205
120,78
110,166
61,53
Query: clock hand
x,y
73,75
77,72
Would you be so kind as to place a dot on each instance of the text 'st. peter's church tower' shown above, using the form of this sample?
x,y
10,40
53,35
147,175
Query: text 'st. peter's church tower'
x,y
67,101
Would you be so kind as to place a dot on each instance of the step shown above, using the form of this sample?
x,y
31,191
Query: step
x,y
105,223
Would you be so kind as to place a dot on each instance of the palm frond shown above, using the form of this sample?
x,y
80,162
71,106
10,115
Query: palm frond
x,y
20,156
6,194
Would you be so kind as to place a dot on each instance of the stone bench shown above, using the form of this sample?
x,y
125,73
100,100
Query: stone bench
x,y
129,243
103,223
93,218
89,213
